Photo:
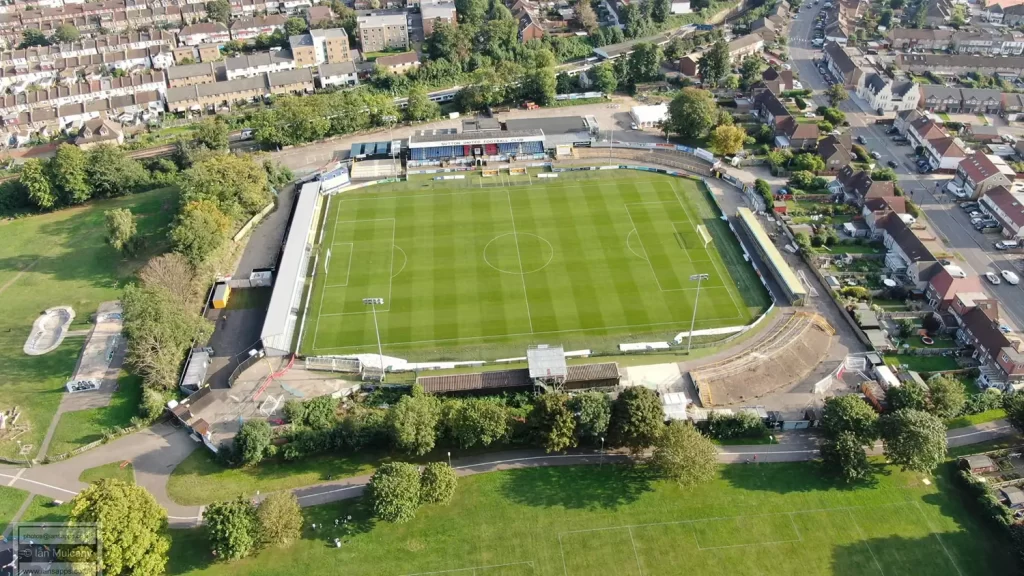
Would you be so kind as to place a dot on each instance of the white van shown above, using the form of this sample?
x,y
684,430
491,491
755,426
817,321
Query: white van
x,y
1010,277
1006,244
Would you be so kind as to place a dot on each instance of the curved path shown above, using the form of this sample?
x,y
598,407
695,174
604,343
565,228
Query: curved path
x,y
155,452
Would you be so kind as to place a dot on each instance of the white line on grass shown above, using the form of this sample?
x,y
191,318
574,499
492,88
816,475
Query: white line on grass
x,y
928,523
649,263
864,538
348,272
522,271
323,291
635,553
475,568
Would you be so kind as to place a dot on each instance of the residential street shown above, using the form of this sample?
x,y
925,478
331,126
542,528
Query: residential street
x,y
974,251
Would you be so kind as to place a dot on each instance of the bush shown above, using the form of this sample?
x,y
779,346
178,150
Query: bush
x,y
394,491
740,425
825,126
800,103
801,179
765,190
252,443
861,153
990,507
855,292
437,483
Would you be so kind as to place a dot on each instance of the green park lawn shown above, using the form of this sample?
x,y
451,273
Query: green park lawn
x,y
55,259
114,470
42,509
10,500
76,429
201,479
580,521
973,419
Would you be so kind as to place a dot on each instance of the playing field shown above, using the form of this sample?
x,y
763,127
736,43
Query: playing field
x,y
611,521
569,258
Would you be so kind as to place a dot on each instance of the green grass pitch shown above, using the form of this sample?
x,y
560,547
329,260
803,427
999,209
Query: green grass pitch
x,y
567,258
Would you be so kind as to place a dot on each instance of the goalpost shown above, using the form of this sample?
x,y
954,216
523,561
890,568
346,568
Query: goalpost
x,y
704,235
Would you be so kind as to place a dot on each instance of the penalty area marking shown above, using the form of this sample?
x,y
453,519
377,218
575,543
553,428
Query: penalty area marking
x,y
405,260
633,232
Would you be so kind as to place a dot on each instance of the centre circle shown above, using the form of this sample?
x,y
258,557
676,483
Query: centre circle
x,y
513,253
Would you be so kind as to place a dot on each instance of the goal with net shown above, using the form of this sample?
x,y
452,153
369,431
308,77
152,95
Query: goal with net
x,y
705,237
327,260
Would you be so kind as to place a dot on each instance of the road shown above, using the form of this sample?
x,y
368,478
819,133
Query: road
x,y
974,251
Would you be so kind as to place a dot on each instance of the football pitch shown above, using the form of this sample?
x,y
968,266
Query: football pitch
x,y
537,260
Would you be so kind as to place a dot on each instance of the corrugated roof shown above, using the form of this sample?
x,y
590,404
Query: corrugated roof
x,y
479,381
793,284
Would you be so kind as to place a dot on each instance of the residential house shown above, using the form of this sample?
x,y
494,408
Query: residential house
x,y
249,65
778,81
922,130
877,208
842,66
316,16
937,12
976,100
886,95
298,81
944,153
204,33
1013,15
248,28
212,96
383,32
911,39
766,29
209,52
1012,106
768,107
795,135
982,134
1001,360
906,255
976,175
904,119
957,64
399,63
836,151
340,74
857,186
190,74
745,46
530,26
185,54
1008,209
434,13
327,46
947,283
936,98
99,131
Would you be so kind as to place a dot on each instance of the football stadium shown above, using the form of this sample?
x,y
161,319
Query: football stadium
x,y
490,248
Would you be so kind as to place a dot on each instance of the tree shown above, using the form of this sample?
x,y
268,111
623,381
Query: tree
x,y
237,185
836,93
420,107
660,10
604,78
683,454
437,483
913,439
67,173
807,161
294,26
644,62
714,63
471,11
958,16
219,11
232,528
477,422
66,33
120,229
394,491
280,519
110,172
692,112
843,456
593,412
32,37
884,175
849,414
37,184
199,231
909,396
750,70
159,331
252,443
211,134
539,85
413,422
132,527
1014,406
637,419
906,327
586,15
172,273
727,140
552,422
947,396
564,83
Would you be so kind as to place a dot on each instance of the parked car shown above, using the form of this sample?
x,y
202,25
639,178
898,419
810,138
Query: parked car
x,y
974,214
1010,277
876,155
992,278
808,114
633,126
968,206
861,139
892,164
1005,244
1004,329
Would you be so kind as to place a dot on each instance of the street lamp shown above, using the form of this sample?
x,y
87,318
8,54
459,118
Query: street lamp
x,y
373,303
693,321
